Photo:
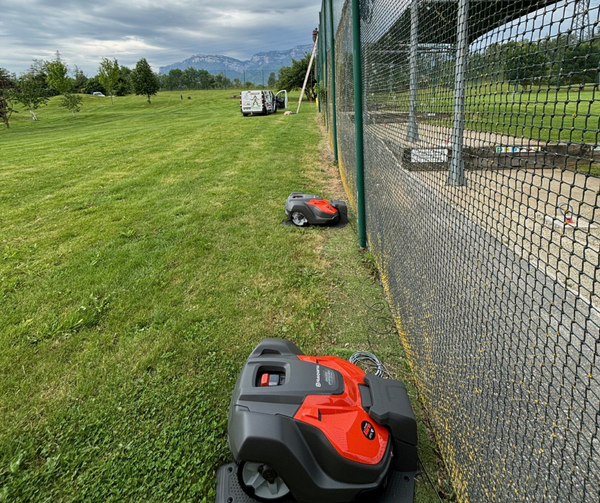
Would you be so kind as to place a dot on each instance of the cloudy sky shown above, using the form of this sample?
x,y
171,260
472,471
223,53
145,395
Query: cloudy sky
x,y
162,31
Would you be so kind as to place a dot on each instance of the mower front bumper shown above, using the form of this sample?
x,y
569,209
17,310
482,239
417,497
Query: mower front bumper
x,y
399,488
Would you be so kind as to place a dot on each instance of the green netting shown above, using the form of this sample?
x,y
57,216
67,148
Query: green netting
x,y
482,182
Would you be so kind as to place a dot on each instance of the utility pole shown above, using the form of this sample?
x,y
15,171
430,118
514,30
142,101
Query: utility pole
x,y
412,134
456,172
581,19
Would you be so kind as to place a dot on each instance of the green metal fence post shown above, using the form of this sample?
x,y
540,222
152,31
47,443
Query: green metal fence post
x,y
358,124
323,49
323,41
332,83
318,66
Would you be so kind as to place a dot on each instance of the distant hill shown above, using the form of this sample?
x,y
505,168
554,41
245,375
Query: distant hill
x,y
256,69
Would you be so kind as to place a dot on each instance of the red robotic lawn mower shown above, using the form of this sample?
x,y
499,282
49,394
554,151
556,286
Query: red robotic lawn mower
x,y
317,430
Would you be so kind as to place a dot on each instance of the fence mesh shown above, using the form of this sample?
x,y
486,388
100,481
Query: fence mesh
x,y
482,180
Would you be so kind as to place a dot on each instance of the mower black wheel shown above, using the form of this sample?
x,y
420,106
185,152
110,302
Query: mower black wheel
x,y
261,482
299,219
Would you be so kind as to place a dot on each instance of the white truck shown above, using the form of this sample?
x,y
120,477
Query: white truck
x,y
262,102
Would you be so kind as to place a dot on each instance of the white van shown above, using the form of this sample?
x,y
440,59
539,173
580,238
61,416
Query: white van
x,y
262,102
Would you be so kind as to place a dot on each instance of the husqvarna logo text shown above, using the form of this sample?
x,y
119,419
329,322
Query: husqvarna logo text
x,y
318,381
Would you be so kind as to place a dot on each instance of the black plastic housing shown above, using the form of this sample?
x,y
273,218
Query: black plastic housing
x,y
262,427
342,208
391,407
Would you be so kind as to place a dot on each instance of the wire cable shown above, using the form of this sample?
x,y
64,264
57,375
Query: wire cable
x,y
370,362
430,481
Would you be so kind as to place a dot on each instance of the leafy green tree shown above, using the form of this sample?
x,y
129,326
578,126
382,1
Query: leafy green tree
x,y
222,82
205,80
124,85
7,85
292,77
237,83
79,81
581,61
175,79
145,81
523,62
39,69
490,65
58,78
190,78
163,80
109,74
71,102
31,91
272,80
93,85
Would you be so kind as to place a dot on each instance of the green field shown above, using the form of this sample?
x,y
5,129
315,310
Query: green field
x,y
569,114
142,257
565,115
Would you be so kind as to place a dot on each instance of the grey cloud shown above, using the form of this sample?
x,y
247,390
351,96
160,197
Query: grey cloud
x,y
162,31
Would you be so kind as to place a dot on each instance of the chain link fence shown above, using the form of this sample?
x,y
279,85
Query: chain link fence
x,y
482,183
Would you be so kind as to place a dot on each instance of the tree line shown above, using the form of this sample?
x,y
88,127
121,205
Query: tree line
x,y
290,78
45,79
558,61
193,79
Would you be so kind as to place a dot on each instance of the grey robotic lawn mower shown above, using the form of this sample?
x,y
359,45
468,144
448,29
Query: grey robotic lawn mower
x,y
317,429
305,209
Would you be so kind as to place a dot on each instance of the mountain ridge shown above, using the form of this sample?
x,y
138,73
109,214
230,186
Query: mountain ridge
x,y
255,69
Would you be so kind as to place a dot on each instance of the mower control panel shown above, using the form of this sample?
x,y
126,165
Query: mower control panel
x,y
272,379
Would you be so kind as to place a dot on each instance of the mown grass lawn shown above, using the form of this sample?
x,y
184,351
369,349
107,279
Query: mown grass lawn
x,y
568,114
142,257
